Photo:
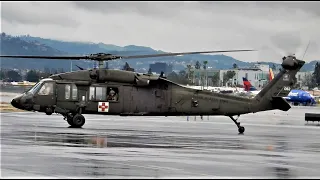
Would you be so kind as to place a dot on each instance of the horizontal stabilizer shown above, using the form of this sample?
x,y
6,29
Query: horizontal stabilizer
x,y
280,103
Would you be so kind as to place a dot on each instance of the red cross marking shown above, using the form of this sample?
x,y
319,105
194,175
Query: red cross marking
x,y
103,106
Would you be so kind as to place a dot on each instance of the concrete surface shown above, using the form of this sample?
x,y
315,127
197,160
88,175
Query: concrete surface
x,y
275,145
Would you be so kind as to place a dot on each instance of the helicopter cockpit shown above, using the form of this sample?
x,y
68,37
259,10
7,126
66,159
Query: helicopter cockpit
x,y
45,85
41,91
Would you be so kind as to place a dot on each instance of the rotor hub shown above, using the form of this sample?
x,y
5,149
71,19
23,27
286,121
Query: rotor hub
x,y
103,57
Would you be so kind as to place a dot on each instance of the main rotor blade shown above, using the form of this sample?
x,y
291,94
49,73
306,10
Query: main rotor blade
x,y
49,57
177,54
108,57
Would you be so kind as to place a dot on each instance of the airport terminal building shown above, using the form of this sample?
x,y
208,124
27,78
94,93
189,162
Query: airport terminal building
x,y
258,75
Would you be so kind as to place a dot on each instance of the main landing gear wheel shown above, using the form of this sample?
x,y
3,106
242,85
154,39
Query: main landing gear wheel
x,y
76,120
240,128
70,120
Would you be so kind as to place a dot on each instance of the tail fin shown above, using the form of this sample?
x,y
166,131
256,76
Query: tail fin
x,y
247,85
271,97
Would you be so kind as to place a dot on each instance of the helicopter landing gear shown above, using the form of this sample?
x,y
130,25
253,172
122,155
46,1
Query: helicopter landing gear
x,y
48,111
240,128
75,121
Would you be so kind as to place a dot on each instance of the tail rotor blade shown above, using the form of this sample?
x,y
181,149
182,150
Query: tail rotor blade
x,y
306,50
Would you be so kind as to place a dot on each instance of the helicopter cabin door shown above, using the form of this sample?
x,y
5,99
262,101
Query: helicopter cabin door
x,y
67,95
82,95
104,99
160,95
46,96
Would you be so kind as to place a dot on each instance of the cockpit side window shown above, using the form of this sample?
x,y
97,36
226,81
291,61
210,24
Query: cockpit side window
x,y
46,89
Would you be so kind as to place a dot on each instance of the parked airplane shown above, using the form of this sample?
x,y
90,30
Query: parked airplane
x,y
248,87
297,97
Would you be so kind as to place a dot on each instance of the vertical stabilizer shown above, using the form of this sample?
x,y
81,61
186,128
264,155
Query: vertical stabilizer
x,y
270,97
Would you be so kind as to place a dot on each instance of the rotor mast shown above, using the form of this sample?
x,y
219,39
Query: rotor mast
x,y
101,64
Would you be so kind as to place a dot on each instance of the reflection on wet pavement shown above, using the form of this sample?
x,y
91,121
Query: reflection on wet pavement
x,y
279,146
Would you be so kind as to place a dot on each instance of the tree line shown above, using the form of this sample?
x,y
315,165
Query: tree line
x,y
315,78
31,75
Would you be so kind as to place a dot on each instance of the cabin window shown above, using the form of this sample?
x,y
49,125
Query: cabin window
x,y
46,89
67,91
98,93
104,94
71,91
113,94
74,92
101,93
91,93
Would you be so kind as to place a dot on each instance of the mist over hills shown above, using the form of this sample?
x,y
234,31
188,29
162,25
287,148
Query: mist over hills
x,y
28,45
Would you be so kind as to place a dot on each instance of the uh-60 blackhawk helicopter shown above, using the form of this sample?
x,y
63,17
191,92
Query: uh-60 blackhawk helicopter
x,y
126,93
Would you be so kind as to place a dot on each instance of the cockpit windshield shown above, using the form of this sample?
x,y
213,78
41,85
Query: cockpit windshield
x,y
35,88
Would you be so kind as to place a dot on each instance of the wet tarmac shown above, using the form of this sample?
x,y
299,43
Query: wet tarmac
x,y
275,145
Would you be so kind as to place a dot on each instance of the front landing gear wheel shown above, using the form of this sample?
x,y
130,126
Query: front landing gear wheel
x,y
78,120
241,129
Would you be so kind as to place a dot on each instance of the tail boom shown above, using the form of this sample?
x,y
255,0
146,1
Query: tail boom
x,y
271,97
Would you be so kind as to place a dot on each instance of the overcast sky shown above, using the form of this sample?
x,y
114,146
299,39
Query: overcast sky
x,y
273,28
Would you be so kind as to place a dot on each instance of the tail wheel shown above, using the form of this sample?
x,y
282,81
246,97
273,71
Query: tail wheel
x,y
241,129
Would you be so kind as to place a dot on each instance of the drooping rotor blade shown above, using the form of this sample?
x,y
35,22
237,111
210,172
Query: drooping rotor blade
x,y
108,57
177,54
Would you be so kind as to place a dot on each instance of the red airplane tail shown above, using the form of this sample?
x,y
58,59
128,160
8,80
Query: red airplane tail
x,y
247,85
271,75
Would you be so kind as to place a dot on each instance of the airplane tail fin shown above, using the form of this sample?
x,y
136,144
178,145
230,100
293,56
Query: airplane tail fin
x,y
247,85
271,75
271,97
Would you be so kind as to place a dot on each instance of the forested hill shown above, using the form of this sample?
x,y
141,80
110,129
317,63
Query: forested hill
x,y
28,45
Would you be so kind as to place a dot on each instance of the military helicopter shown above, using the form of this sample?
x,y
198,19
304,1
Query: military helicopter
x,y
126,93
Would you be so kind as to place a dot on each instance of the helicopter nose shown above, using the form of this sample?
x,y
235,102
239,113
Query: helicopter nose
x,y
16,102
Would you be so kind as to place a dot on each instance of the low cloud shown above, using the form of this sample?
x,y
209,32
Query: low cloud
x,y
273,28
37,13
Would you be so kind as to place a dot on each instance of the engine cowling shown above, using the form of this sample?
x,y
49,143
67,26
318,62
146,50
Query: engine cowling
x,y
104,75
142,82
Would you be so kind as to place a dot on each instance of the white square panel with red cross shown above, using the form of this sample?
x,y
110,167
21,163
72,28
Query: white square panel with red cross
x,y
103,107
